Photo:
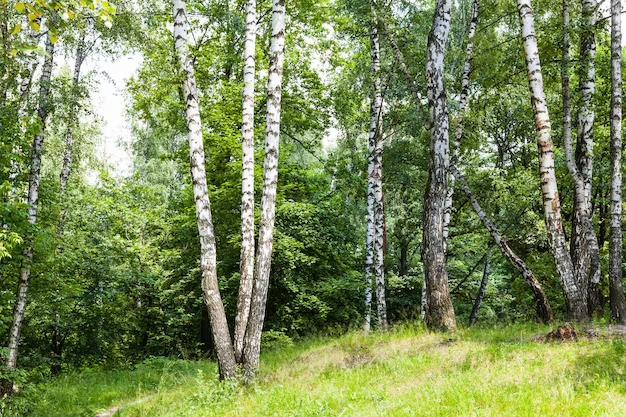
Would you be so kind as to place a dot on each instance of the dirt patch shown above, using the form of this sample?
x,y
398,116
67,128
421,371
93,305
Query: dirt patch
x,y
111,411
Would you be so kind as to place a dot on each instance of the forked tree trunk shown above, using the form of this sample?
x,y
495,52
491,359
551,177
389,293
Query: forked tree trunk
x,y
252,342
208,255
439,312
481,290
458,121
33,206
584,242
575,296
544,311
247,184
616,288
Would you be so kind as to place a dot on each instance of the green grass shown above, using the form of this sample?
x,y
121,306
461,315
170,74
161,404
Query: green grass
x,y
405,372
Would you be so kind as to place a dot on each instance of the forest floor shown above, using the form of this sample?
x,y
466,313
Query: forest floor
x,y
502,371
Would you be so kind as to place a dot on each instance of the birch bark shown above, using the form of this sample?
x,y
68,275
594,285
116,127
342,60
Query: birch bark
x,y
584,242
458,121
252,342
33,206
208,255
439,313
376,173
616,288
574,295
247,183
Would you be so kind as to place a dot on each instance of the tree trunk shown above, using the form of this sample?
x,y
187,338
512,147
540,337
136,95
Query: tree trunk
x,y
440,313
481,290
66,168
33,206
404,258
575,297
208,255
584,242
376,157
544,311
252,343
616,288
458,133
247,183
72,120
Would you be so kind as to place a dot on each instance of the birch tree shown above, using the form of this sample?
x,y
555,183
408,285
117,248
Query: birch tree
x,y
208,255
584,242
247,184
616,288
374,268
34,179
574,295
458,121
252,341
439,313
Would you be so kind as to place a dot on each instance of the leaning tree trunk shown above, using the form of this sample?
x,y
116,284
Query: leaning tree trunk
x,y
33,206
544,311
252,345
575,296
458,132
376,156
208,255
616,288
584,242
247,184
439,313
481,290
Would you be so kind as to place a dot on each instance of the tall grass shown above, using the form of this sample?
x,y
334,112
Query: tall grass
x,y
408,371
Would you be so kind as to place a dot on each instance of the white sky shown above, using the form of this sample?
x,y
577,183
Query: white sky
x,y
110,104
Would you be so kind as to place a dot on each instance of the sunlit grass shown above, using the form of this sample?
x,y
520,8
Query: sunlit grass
x,y
405,372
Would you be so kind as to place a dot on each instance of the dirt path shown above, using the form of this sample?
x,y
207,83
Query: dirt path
x,y
111,411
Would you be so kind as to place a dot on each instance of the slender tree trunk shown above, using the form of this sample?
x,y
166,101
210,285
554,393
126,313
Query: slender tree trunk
x,y
544,311
72,120
440,313
63,179
252,343
584,242
404,258
458,133
247,183
481,290
33,206
376,157
208,255
616,288
575,297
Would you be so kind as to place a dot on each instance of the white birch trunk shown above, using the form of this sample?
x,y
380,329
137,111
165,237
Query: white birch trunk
x,y
208,255
247,183
72,120
33,206
440,313
574,295
616,288
252,343
458,121
376,157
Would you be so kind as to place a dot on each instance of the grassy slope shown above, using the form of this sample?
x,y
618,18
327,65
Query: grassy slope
x,y
407,372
